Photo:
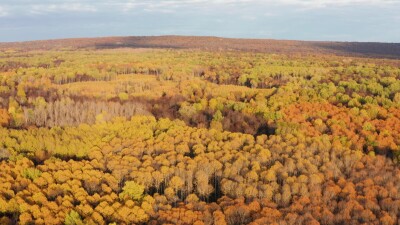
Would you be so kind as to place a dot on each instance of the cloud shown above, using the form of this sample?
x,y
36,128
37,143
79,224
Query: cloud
x,y
316,3
40,7
65,7
3,11
174,5
335,3
288,19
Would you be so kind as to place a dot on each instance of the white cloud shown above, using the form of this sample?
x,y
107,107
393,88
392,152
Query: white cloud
x,y
289,19
180,3
328,3
3,11
170,6
65,7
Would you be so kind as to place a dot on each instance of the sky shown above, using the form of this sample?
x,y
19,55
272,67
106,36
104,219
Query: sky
x,y
325,20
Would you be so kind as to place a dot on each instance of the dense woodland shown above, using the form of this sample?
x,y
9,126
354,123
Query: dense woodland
x,y
210,43
191,136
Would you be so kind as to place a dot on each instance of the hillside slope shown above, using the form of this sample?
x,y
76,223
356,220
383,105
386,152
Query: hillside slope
x,y
366,49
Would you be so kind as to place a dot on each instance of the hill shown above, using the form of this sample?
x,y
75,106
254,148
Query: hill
x,y
363,49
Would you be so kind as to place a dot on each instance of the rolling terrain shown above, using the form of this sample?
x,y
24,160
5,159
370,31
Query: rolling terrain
x,y
199,130
368,49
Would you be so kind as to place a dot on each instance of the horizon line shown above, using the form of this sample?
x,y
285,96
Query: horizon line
x,y
201,36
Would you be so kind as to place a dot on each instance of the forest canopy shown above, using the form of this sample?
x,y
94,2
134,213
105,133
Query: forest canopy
x,y
197,136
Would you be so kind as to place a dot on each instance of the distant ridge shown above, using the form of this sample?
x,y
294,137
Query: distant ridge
x,y
364,49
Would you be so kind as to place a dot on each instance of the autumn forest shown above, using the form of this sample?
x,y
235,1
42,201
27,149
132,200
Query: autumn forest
x,y
199,131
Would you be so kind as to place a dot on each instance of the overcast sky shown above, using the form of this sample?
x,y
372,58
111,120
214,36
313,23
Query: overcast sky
x,y
336,20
